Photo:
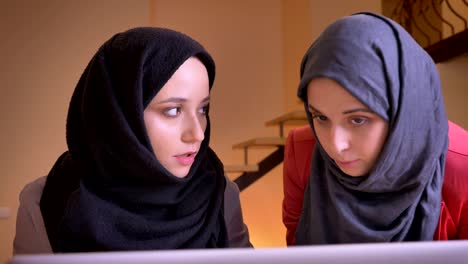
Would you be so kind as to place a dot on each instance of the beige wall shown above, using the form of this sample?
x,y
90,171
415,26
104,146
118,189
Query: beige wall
x,y
297,37
44,48
454,82
323,13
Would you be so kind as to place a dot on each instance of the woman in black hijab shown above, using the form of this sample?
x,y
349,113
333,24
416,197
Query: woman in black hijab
x,y
138,173
373,100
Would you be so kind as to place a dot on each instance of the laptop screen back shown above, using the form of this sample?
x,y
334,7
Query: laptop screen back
x,y
385,253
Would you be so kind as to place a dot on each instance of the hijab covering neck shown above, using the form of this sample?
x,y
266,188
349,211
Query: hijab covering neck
x,y
108,192
380,64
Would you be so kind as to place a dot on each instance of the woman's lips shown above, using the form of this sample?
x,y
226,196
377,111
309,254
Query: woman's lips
x,y
346,164
186,159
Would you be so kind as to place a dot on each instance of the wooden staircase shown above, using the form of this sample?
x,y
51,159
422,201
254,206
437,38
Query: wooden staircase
x,y
425,21
253,172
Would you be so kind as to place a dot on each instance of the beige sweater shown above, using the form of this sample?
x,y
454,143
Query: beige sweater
x,y
31,236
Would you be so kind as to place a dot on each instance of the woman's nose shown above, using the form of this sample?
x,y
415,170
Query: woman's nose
x,y
340,138
194,130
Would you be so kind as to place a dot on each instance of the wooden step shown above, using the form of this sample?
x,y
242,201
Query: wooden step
x,y
261,142
295,118
292,118
241,168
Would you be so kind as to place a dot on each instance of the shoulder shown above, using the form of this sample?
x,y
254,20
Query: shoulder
x,y
231,191
458,139
457,154
297,157
456,165
238,233
32,192
31,236
299,145
455,186
300,141
301,134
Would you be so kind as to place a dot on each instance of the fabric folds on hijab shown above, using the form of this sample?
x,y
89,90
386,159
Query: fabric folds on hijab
x,y
380,64
109,192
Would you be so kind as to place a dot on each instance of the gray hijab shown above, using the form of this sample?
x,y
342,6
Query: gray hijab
x,y
379,63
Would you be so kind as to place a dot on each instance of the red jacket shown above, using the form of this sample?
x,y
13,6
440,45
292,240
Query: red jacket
x,y
453,221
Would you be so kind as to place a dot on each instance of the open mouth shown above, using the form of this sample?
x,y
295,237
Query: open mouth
x,y
189,154
186,158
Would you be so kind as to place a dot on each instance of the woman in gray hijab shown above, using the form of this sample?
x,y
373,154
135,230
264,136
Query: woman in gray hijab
x,y
379,162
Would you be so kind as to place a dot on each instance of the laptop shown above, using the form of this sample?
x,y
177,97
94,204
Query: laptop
x,y
431,252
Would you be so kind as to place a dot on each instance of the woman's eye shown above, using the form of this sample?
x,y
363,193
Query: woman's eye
x,y
358,120
320,118
204,110
172,112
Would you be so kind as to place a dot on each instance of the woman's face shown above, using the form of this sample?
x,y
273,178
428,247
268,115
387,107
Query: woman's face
x,y
176,118
351,134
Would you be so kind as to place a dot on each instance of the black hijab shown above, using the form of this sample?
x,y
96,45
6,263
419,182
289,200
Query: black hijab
x,y
108,192
380,64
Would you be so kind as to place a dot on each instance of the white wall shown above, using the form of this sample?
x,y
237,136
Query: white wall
x,y
44,48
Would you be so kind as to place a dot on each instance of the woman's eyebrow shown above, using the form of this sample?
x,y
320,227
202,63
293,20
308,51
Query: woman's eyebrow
x,y
357,110
350,111
206,99
173,100
314,109
181,100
